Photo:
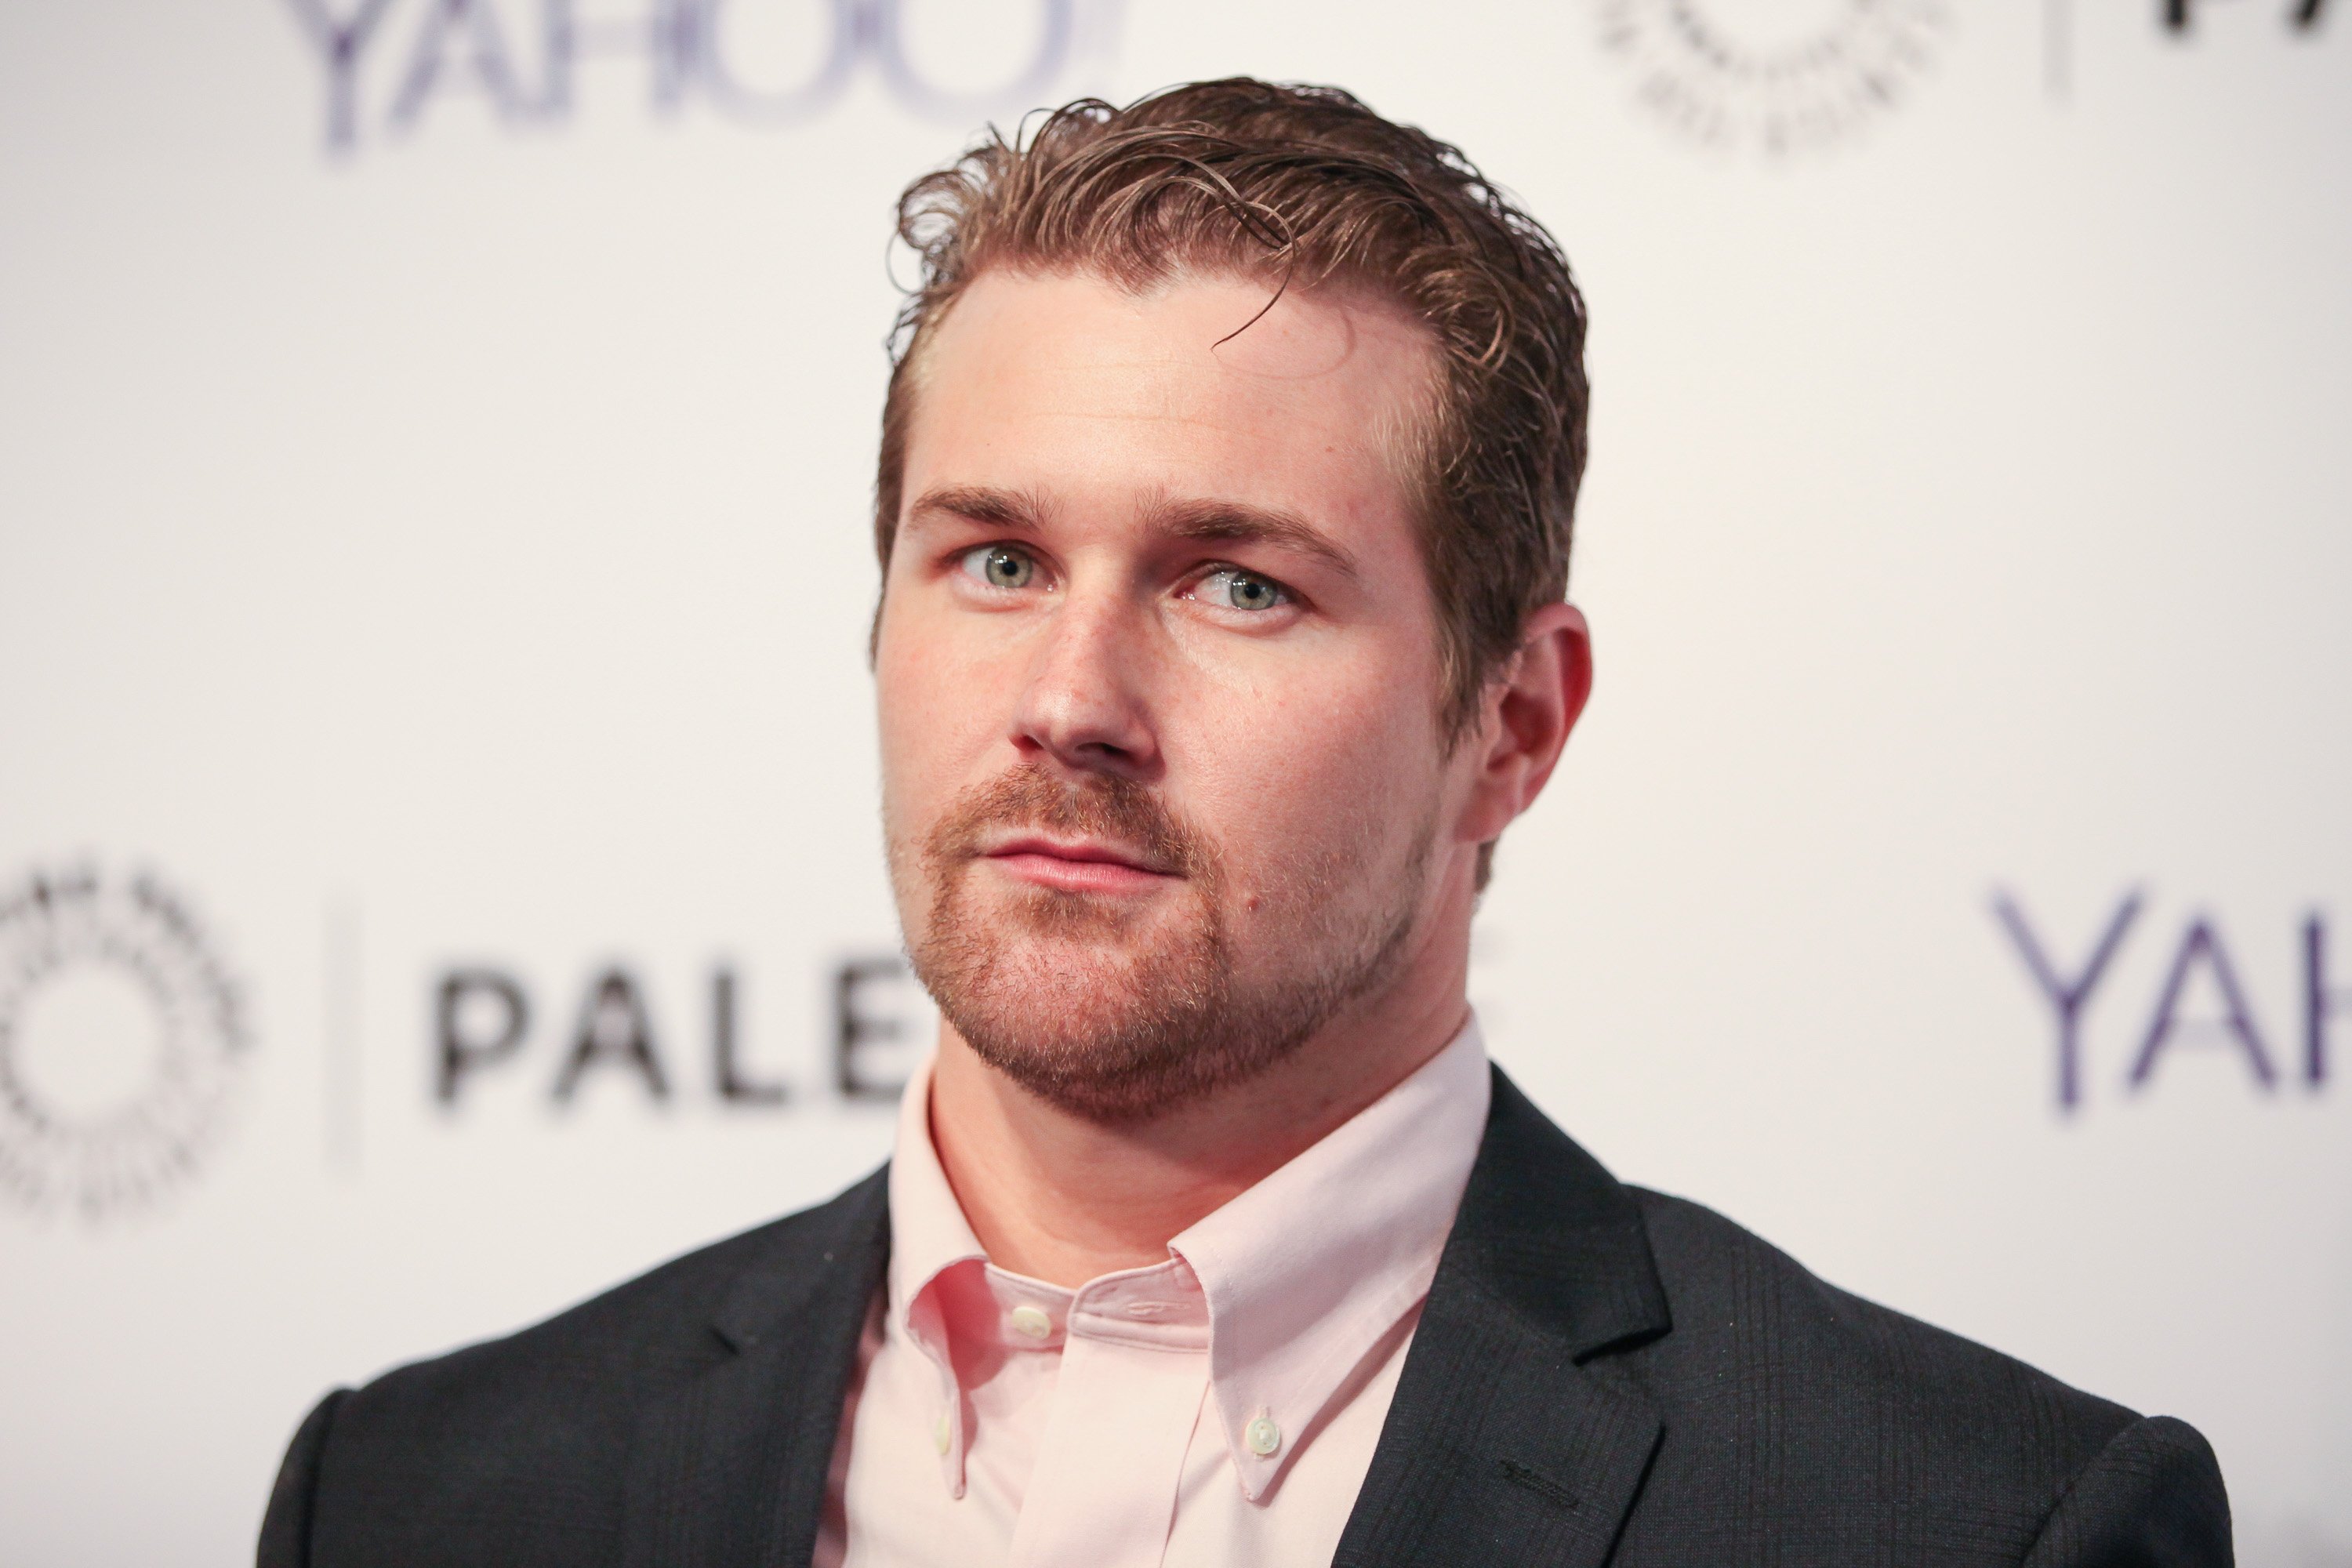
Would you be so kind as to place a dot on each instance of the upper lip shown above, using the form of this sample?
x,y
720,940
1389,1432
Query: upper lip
x,y
1078,849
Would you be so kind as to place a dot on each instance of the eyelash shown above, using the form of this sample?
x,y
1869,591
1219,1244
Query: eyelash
x,y
1285,593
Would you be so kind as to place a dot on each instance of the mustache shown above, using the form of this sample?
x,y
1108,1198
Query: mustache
x,y
1100,805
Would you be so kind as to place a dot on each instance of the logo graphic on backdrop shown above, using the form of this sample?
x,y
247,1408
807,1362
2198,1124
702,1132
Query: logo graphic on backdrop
x,y
121,1038
1781,76
388,64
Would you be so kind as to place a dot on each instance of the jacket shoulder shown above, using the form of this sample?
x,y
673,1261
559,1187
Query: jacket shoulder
x,y
659,1322
530,1433
1793,1394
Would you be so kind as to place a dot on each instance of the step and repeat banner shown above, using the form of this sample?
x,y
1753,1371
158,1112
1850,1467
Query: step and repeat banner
x,y
439,870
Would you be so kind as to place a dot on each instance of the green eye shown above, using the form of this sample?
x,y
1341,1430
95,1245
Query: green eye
x,y
999,566
1231,589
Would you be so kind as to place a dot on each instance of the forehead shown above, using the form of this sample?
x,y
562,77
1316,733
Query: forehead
x,y
1073,384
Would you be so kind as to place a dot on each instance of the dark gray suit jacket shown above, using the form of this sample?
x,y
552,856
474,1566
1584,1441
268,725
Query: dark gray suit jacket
x,y
1600,1374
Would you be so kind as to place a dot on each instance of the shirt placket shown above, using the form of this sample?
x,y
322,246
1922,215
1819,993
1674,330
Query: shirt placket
x,y
928,1329
1130,1392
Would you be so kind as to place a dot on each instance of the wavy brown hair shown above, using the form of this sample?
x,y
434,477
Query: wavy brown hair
x,y
1303,186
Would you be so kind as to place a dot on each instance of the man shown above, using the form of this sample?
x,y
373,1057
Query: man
x,y
1223,512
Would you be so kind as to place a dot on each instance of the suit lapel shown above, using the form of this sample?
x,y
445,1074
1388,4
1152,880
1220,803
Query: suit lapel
x,y
1500,1446
730,1466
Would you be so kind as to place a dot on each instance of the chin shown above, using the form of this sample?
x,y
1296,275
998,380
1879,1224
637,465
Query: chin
x,y
1098,1012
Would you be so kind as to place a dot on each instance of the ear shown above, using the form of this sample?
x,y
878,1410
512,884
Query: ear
x,y
1528,709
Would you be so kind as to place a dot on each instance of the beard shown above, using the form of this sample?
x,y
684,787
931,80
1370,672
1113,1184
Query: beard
x,y
1117,1012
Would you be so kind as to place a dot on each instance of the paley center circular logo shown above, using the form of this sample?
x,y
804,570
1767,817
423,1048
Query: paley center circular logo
x,y
1782,75
121,1038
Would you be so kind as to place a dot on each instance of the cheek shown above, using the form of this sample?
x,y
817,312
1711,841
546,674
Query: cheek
x,y
928,712
1315,782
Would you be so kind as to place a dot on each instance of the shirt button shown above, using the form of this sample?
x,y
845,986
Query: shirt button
x,y
1029,1320
939,1433
1262,1436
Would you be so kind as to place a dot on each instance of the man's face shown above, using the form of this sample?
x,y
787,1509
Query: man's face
x,y
1164,779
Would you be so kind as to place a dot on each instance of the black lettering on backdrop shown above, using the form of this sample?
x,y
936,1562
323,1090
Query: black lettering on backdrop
x,y
482,1017
2179,14
460,1052
2203,942
614,1029
733,1086
854,1028
2066,998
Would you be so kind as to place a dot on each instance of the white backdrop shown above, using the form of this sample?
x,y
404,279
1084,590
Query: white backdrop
x,y
433,542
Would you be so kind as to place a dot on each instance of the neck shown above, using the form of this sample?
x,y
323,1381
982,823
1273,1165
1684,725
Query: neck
x,y
1056,1196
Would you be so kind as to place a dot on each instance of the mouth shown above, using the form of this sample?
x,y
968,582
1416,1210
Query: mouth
x,y
1079,864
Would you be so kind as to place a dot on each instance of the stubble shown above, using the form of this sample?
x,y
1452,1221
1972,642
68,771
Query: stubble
x,y
1117,1012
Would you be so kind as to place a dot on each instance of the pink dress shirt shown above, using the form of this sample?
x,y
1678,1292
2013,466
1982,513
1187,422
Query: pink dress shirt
x,y
1219,1409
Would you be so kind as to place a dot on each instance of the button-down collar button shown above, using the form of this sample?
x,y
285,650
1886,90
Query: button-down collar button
x,y
940,1433
1262,1436
1030,1321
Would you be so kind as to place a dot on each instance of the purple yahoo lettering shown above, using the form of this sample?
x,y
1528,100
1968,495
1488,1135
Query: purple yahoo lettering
x,y
663,34
486,60
339,43
700,36
2066,998
2318,1001
2203,942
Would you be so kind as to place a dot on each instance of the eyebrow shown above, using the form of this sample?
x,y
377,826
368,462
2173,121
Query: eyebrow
x,y
1236,521
1204,520
980,504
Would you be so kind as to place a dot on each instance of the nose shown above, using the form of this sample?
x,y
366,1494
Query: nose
x,y
1083,709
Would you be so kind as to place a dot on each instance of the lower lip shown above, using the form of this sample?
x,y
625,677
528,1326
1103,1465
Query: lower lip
x,y
1079,876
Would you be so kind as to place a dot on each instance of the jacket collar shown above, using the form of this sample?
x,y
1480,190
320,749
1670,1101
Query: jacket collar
x,y
847,1240
1548,1234
1498,1434
728,1465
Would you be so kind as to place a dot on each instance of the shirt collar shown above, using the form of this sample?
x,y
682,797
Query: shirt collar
x,y
1307,1271
1303,1274
928,1233
928,1237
